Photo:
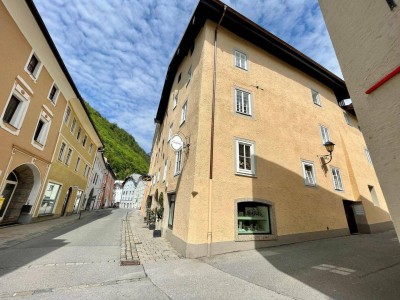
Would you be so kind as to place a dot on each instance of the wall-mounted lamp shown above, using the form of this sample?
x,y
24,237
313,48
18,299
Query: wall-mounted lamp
x,y
329,146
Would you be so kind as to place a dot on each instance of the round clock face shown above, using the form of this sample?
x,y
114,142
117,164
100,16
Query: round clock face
x,y
176,142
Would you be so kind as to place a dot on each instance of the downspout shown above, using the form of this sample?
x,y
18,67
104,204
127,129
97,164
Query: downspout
x,y
209,232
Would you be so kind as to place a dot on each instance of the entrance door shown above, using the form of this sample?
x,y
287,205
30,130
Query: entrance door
x,y
7,195
66,200
351,220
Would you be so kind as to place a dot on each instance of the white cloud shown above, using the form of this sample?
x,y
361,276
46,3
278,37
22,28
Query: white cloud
x,y
118,51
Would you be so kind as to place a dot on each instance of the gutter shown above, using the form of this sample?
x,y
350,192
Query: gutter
x,y
209,231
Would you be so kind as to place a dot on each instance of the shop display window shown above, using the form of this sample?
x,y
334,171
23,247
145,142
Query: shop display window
x,y
253,218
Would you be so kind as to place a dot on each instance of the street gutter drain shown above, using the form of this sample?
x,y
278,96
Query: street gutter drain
x,y
130,262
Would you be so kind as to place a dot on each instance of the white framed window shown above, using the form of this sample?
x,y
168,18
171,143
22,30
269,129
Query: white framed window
x,y
374,197
244,157
176,96
88,172
84,140
68,157
50,198
42,130
78,135
33,66
184,112
53,94
189,75
240,60
67,114
178,162
324,134
315,97
73,125
243,102
90,148
309,173
170,132
85,170
368,156
158,175
15,110
337,179
61,153
165,170
346,117
78,160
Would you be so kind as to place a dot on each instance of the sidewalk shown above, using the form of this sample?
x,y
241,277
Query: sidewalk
x,y
18,233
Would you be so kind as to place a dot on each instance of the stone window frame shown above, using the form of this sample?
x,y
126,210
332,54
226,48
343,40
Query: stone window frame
x,y
256,237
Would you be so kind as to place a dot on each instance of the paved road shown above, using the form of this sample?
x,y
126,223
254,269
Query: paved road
x,y
81,260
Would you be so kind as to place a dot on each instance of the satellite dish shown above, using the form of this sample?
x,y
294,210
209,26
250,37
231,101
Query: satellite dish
x,y
176,142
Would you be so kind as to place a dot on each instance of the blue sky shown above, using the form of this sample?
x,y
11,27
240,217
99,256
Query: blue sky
x,y
118,51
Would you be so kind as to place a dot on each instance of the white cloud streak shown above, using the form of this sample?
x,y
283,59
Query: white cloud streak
x,y
118,51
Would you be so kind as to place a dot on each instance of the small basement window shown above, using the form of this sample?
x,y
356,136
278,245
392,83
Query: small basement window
x,y
253,218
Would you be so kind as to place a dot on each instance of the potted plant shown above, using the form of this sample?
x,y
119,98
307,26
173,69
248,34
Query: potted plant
x,y
159,212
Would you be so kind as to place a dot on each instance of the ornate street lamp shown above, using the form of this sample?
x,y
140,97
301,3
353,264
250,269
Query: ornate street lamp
x,y
329,146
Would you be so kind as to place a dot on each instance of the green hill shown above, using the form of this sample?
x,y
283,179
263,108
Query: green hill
x,y
122,151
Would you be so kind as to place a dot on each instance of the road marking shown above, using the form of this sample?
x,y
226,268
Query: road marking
x,y
334,269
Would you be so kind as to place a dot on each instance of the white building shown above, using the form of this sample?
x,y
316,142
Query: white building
x,y
118,185
132,192
93,190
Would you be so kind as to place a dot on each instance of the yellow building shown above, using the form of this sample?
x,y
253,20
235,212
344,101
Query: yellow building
x,y
366,38
35,93
253,115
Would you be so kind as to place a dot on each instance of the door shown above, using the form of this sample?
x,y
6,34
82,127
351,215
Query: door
x,y
66,200
351,220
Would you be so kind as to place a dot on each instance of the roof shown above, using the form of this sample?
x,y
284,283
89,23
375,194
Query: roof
x,y
57,55
250,31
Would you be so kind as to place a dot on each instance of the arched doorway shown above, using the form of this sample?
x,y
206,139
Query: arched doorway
x,y
20,193
66,200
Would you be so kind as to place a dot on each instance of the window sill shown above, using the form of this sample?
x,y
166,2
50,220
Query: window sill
x,y
255,237
37,145
8,127
240,68
246,175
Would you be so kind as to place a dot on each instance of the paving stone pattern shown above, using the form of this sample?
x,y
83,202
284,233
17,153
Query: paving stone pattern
x,y
150,249
129,255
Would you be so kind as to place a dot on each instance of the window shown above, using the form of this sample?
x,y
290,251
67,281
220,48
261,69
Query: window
x,y
176,95
53,95
73,125
171,203
178,162
309,173
68,158
189,75
368,156
243,102
42,129
84,141
165,170
245,157
324,134
253,218
337,179
240,60
85,170
346,117
184,112
392,4
33,66
170,132
315,97
50,198
61,153
15,110
179,77
78,160
374,197
90,148
78,135
67,114
158,175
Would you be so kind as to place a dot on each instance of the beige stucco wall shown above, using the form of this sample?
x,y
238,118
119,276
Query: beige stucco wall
x,y
366,38
285,129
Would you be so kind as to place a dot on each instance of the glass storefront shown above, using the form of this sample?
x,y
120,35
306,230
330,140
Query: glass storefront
x,y
50,198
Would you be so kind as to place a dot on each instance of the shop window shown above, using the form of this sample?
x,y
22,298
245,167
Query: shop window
x,y
171,203
50,198
253,218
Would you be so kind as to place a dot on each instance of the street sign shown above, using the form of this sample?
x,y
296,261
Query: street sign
x,y
176,142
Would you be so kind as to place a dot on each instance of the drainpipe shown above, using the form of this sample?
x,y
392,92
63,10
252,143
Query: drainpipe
x,y
209,232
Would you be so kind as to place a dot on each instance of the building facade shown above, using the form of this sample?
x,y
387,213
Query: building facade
x,y
107,186
132,191
366,38
253,115
118,186
93,189
36,94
